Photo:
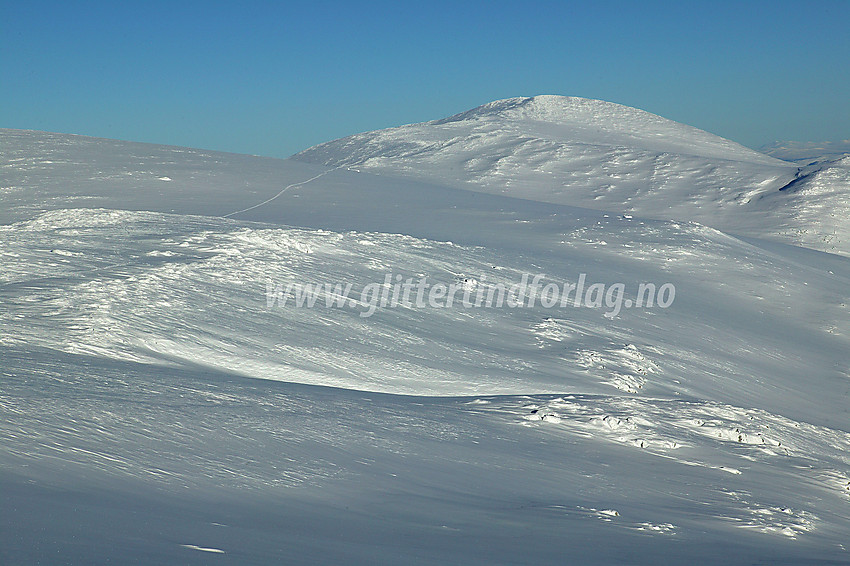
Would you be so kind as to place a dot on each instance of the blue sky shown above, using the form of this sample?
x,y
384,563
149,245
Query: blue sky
x,y
272,78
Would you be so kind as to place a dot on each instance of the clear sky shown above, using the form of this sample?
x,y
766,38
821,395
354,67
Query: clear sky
x,y
272,78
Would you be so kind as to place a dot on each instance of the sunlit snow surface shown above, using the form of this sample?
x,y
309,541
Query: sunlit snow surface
x,y
157,410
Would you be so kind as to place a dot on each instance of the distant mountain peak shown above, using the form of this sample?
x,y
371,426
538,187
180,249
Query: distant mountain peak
x,y
501,140
807,151
606,156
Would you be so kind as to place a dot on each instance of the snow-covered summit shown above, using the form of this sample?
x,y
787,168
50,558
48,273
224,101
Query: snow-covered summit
x,y
567,150
591,120
601,155
556,119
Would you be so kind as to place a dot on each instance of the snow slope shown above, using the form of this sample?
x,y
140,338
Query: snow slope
x,y
602,155
156,409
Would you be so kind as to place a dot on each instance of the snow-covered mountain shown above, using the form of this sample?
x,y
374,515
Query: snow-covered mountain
x,y
806,152
158,407
602,155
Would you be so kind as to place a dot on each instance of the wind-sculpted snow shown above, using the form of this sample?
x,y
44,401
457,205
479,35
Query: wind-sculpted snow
x,y
155,288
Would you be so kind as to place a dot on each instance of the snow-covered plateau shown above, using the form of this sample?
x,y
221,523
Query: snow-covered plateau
x,y
159,406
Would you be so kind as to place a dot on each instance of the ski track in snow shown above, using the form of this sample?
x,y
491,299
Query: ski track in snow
x,y
282,191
